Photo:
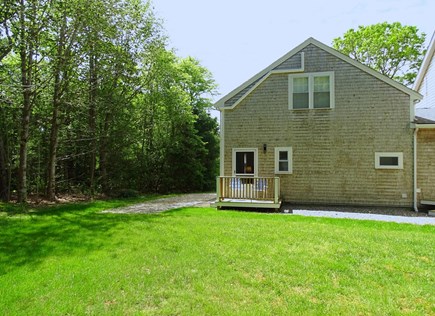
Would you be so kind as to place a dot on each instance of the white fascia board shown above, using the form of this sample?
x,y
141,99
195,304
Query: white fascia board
x,y
370,71
423,126
221,101
425,64
413,94
273,72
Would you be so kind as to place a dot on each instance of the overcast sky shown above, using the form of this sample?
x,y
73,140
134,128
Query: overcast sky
x,y
237,39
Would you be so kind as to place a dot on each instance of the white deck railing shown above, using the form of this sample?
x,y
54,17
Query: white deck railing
x,y
247,188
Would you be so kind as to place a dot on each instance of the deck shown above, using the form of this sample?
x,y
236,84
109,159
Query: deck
x,y
252,192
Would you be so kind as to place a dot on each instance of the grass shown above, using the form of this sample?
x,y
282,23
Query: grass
x,y
74,260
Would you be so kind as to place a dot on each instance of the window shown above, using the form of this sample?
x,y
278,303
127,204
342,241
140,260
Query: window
x,y
283,160
389,160
245,161
300,93
311,91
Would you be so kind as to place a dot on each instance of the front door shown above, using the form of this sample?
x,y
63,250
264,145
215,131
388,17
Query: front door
x,y
245,162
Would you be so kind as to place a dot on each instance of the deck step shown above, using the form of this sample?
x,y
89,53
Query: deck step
x,y
427,202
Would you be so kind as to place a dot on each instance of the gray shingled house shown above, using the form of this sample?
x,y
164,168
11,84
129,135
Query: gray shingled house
x,y
318,127
425,127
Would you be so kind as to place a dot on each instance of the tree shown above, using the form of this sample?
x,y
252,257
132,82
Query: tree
x,y
32,18
8,11
393,49
93,101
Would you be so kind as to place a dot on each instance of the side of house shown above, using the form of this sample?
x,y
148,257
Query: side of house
x,y
333,130
425,127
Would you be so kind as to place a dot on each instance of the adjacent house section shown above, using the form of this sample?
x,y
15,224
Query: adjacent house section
x,y
425,127
425,84
320,128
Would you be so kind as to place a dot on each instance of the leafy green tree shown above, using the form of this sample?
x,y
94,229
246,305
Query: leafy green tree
x,y
93,101
8,12
393,49
29,28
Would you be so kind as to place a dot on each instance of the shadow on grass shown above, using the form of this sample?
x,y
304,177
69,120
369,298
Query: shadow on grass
x,y
32,236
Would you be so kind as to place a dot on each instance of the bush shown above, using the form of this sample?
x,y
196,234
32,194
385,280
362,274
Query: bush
x,y
128,193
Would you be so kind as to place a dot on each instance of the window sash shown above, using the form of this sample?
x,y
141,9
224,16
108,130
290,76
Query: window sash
x,y
320,92
283,160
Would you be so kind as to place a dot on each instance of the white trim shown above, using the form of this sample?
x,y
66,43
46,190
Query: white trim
x,y
245,203
273,72
378,155
285,71
247,93
233,163
415,177
222,144
414,95
422,126
425,64
412,110
221,102
289,151
311,77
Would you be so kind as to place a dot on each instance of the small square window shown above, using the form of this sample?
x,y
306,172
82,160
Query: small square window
x,y
392,160
283,160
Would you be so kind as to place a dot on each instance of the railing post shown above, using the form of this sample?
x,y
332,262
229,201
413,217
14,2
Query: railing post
x,y
276,191
218,189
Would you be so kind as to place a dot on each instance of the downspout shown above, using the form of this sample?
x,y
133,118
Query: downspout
x,y
222,143
415,170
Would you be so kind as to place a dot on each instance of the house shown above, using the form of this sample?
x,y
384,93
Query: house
x,y
425,126
319,127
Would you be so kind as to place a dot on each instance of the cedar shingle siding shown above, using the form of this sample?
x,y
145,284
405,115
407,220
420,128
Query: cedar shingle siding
x,y
333,149
426,164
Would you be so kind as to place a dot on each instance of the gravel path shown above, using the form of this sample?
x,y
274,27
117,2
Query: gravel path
x,y
164,204
418,220
398,215
386,214
396,211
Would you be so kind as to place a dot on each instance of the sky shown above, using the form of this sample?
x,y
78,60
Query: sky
x,y
237,39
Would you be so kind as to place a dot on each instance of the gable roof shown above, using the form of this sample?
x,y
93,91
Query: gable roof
x,y
426,73
425,64
257,79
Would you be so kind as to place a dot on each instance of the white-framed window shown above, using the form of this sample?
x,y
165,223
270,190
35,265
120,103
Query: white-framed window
x,y
389,160
245,162
283,160
311,91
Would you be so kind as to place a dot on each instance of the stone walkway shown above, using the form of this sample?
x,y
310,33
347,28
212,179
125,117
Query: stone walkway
x,y
164,204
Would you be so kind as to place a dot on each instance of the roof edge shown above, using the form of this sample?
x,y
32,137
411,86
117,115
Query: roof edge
x,y
425,64
370,71
413,94
262,73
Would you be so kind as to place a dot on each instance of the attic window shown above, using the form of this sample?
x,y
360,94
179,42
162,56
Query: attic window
x,y
311,91
389,160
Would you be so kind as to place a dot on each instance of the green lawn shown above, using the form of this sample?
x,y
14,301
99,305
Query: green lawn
x,y
73,260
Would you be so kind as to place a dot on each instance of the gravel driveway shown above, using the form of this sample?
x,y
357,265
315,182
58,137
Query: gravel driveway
x,y
164,204
398,215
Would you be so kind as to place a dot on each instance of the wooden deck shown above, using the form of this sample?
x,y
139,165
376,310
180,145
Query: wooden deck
x,y
252,192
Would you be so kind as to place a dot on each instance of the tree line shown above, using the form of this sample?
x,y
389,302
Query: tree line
x,y
92,100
